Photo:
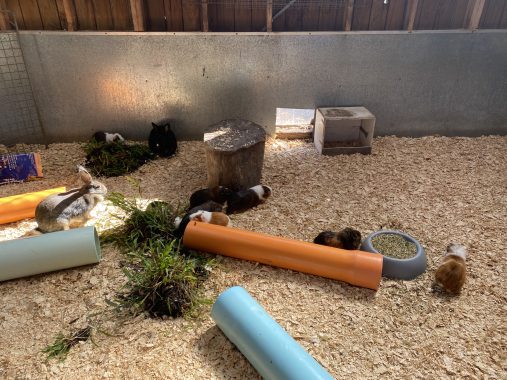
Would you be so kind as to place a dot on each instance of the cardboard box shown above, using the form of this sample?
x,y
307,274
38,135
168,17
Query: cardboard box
x,y
19,167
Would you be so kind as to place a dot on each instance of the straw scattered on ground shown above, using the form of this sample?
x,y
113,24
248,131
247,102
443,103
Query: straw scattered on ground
x,y
437,189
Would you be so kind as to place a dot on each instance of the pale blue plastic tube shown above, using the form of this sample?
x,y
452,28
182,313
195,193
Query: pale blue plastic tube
x,y
49,252
266,345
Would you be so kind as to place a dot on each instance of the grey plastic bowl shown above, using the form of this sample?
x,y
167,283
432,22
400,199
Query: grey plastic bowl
x,y
404,269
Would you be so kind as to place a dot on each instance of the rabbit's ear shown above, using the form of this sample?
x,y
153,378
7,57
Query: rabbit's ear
x,y
84,175
155,126
168,127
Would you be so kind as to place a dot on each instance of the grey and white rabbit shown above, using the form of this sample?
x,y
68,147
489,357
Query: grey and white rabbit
x,y
72,208
107,137
451,273
246,199
162,141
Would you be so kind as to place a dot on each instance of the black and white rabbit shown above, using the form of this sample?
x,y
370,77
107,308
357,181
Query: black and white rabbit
x,y
162,140
246,199
69,209
107,137
348,238
218,194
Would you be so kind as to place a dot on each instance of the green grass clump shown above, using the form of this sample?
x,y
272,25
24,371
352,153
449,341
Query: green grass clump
x,y
163,281
60,348
115,159
141,227
163,278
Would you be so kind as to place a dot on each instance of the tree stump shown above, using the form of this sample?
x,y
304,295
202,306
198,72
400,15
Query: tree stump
x,y
234,153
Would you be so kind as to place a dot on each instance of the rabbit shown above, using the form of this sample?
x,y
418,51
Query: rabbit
x,y
247,199
217,194
451,273
348,238
107,137
162,140
72,208
218,218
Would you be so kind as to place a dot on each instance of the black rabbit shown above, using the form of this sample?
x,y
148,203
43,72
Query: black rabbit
x,y
162,140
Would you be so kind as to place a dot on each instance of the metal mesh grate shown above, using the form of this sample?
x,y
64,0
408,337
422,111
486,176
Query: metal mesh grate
x,y
19,120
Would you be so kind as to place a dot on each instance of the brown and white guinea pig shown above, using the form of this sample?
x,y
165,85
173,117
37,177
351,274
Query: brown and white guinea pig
x,y
207,206
348,238
451,273
217,194
107,137
218,218
247,199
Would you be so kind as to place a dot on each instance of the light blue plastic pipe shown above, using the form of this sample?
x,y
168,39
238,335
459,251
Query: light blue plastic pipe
x,y
266,345
48,252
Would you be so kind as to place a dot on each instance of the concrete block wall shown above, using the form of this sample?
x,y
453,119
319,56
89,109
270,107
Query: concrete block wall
x,y
416,84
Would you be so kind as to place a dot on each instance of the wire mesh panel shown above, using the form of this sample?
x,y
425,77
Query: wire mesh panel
x,y
19,120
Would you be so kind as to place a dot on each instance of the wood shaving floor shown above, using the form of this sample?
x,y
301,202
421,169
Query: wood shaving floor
x,y
437,189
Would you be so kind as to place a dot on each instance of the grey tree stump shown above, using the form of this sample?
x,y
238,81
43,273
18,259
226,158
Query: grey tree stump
x,y
234,153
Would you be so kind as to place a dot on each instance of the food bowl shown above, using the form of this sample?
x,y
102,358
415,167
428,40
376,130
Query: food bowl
x,y
404,269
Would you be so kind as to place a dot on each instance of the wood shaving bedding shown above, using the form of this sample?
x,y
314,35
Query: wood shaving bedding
x,y
437,189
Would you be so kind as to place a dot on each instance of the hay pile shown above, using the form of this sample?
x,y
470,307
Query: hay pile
x,y
437,189
115,159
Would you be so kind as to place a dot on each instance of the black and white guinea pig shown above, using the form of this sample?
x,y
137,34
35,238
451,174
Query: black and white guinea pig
x,y
247,199
218,218
218,194
162,141
348,238
107,137
210,206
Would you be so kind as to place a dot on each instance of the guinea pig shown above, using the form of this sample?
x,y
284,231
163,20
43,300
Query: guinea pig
x,y
107,137
218,194
247,199
207,206
348,238
218,218
451,273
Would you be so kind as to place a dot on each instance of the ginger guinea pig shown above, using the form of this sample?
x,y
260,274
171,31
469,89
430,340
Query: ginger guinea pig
x,y
451,273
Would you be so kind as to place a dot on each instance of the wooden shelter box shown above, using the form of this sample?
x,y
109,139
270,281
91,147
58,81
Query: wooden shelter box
x,y
343,130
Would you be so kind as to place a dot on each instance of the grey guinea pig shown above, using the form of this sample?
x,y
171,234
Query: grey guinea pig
x,y
72,208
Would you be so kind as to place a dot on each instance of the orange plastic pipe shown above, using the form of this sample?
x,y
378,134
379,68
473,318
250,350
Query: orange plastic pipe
x,y
23,206
355,267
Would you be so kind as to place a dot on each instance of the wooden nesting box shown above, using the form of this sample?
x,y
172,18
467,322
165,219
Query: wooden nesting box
x,y
343,130
234,153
